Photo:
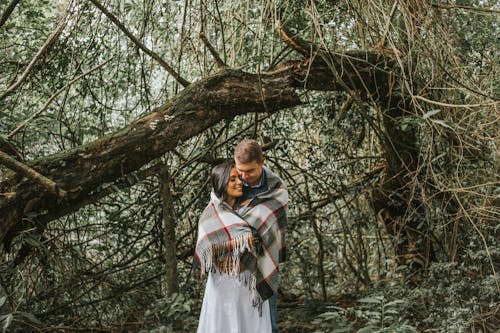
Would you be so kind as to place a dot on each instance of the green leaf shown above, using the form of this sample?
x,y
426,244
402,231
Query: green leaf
x,y
30,317
395,302
430,113
391,312
6,320
442,123
375,299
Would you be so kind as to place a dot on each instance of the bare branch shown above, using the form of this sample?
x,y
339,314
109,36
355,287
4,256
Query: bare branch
x,y
295,42
143,47
220,63
45,47
46,105
8,12
477,9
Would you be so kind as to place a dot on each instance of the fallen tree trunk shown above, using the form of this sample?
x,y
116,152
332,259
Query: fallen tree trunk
x,y
84,170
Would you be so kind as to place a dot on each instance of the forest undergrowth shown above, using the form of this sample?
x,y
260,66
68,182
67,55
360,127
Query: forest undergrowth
x,y
381,117
454,298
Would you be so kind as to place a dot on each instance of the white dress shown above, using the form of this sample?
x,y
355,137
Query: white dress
x,y
227,307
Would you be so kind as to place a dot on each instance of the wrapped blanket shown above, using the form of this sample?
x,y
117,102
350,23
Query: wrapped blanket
x,y
224,236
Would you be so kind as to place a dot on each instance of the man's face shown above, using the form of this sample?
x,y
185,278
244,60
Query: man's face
x,y
249,172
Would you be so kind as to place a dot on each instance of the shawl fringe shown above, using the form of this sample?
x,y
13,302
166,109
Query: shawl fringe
x,y
225,237
225,257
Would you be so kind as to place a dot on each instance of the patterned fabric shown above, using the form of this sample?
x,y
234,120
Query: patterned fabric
x,y
224,236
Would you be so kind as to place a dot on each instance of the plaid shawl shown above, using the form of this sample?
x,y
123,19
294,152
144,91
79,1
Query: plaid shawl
x,y
226,239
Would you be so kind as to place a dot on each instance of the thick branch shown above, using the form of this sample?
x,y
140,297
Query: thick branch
x,y
8,147
362,71
83,170
294,41
26,171
143,47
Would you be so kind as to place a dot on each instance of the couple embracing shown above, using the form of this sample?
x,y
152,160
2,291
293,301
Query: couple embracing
x,y
240,245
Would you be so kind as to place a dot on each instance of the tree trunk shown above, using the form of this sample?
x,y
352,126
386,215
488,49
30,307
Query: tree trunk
x,y
86,170
169,239
395,202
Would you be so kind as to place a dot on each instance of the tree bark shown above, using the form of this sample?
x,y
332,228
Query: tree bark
x,y
169,239
394,201
26,171
86,170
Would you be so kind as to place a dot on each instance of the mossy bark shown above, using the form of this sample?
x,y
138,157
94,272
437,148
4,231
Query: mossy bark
x,y
83,170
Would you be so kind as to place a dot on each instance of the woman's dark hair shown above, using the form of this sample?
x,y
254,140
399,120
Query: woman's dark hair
x,y
220,179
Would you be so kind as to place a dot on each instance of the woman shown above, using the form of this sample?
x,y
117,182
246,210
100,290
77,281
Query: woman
x,y
231,303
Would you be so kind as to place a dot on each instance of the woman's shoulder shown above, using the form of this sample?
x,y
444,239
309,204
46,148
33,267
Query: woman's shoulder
x,y
241,205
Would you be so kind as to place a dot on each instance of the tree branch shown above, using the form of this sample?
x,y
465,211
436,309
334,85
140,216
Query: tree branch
x,y
46,105
143,47
86,168
8,148
295,42
220,63
45,47
472,8
360,70
228,93
8,12
28,172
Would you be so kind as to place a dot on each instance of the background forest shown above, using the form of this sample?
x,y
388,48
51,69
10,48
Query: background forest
x,y
381,116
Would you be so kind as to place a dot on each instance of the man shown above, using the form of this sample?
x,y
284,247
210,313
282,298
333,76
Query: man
x,y
258,185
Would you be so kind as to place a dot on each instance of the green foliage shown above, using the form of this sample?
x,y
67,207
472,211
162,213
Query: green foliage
x,y
338,320
375,314
382,315
103,266
449,300
168,315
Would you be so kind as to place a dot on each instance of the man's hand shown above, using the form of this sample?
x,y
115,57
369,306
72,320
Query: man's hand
x,y
257,244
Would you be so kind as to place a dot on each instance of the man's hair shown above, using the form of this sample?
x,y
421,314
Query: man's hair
x,y
248,150
220,179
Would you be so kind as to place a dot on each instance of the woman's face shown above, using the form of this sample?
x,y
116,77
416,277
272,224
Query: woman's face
x,y
234,186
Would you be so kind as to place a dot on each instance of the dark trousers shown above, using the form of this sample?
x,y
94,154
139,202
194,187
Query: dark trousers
x,y
273,307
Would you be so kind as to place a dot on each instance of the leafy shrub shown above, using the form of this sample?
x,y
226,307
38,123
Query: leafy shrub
x,y
168,314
